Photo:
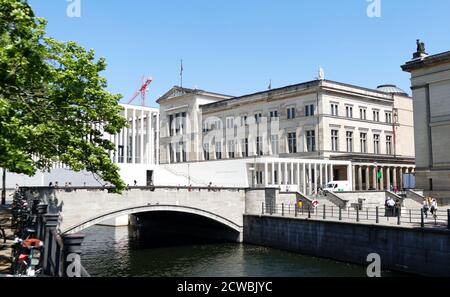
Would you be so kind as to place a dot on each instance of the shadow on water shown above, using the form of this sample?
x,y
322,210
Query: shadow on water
x,y
123,251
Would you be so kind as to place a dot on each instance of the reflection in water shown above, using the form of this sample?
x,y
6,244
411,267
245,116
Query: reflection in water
x,y
111,251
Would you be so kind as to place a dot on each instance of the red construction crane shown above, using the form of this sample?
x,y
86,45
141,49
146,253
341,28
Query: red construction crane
x,y
142,90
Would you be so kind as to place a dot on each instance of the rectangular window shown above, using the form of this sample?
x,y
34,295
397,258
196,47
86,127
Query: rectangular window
x,y
376,115
230,123
218,124
291,113
334,109
349,111
311,141
349,136
243,121
258,117
259,146
389,145
274,144
218,150
292,142
273,115
231,149
388,116
363,142
335,140
376,144
363,113
309,110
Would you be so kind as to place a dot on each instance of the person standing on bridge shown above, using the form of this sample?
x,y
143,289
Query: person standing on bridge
x,y
434,207
425,208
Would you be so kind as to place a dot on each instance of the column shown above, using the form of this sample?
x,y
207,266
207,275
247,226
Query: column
x,y
326,174
285,174
133,141
367,178
149,143
316,177
156,143
304,178
299,182
292,174
394,173
382,179
331,172
116,142
273,173
141,155
374,178
320,176
388,178
360,185
310,180
279,173
266,172
400,187
125,139
354,177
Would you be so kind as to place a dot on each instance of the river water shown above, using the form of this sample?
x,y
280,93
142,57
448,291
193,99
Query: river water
x,y
111,251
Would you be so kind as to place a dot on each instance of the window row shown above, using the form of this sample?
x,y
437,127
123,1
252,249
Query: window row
x,y
362,113
363,142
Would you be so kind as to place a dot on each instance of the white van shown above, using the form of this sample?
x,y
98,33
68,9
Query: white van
x,y
338,186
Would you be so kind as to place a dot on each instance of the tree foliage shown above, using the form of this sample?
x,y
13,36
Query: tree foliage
x,y
54,105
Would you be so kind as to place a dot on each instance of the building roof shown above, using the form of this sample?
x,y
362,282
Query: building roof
x,y
177,91
306,85
427,61
391,89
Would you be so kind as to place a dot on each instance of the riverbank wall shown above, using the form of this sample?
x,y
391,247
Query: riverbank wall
x,y
412,250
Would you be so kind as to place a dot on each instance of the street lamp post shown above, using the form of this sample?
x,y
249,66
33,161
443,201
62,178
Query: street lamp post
x,y
4,187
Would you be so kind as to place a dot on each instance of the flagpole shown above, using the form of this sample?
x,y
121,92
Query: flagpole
x,y
181,73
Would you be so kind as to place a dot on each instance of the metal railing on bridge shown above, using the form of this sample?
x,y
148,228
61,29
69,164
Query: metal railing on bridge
x,y
373,215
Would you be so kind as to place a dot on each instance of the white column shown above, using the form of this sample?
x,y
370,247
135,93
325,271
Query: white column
x,y
116,142
141,155
388,178
155,145
279,173
326,174
400,187
285,174
320,176
273,173
382,179
133,141
331,172
125,139
266,172
374,178
149,143
360,185
292,174
394,178
310,179
304,178
367,178
298,177
354,177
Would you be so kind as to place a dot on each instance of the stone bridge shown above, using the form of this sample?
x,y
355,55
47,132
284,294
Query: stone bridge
x,y
81,208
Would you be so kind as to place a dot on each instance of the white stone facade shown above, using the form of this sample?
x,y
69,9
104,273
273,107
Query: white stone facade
x,y
430,81
321,120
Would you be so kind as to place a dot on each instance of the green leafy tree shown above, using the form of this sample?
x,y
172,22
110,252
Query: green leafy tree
x,y
54,105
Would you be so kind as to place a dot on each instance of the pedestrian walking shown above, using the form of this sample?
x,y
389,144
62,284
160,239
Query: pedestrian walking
x,y
425,208
434,208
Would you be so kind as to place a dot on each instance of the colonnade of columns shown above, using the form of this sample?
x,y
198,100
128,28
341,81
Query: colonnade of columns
x,y
305,176
379,177
138,143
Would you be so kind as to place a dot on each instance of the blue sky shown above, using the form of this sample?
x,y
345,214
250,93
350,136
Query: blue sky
x,y
236,47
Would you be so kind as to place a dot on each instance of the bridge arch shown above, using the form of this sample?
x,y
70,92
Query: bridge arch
x,y
153,208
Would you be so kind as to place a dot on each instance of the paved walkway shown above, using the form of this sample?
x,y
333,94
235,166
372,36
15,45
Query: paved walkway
x,y
5,249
